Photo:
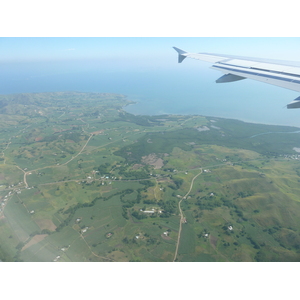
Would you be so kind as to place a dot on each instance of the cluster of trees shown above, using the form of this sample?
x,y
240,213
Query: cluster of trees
x,y
149,201
142,174
152,241
125,211
208,202
125,171
147,183
134,174
177,183
132,200
169,207
74,136
291,239
227,202
126,240
139,215
245,194
103,169
128,203
272,230
239,213
211,202
168,169
253,242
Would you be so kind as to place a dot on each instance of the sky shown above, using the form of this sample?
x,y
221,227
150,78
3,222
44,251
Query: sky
x,y
140,50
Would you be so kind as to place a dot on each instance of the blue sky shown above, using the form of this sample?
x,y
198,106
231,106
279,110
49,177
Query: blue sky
x,y
140,49
75,54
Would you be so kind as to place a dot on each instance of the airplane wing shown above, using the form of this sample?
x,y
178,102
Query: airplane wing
x,y
285,74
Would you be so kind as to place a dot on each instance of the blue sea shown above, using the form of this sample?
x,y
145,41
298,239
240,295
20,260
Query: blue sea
x,y
179,89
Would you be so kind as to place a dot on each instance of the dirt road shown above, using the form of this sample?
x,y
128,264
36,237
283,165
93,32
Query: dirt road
x,y
182,218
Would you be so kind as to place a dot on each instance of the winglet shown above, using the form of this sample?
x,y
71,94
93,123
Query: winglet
x,y
181,55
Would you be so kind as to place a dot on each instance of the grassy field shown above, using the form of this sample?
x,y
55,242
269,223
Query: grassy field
x,y
82,180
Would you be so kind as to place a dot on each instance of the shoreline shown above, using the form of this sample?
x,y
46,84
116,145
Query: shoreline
x,y
130,102
200,115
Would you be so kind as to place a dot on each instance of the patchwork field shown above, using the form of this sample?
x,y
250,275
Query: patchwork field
x,y
82,180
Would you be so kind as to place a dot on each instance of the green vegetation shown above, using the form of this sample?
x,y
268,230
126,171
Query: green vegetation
x,y
82,180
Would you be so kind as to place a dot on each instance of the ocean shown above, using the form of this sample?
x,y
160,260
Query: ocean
x,y
175,90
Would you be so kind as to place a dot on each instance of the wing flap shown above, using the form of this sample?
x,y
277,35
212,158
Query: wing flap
x,y
285,81
294,104
238,63
229,78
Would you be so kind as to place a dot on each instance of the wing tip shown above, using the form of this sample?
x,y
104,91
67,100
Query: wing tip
x,y
181,55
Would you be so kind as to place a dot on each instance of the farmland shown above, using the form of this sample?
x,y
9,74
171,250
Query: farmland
x,y
83,180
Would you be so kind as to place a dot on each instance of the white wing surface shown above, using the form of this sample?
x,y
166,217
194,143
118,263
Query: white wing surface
x,y
285,74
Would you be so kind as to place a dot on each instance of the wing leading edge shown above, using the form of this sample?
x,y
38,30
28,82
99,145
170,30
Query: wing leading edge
x,y
285,74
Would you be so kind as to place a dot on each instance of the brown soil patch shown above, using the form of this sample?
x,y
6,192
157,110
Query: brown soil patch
x,y
2,177
27,154
98,132
45,224
162,179
213,241
165,237
36,239
136,166
38,139
118,256
153,160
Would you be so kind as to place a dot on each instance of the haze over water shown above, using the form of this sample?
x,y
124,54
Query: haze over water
x,y
179,89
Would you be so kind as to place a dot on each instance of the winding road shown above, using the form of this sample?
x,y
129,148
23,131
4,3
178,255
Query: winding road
x,y
181,213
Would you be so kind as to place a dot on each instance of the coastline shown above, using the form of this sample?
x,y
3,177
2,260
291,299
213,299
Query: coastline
x,y
128,108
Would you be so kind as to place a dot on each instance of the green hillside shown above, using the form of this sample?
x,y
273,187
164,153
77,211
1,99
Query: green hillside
x,y
82,180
